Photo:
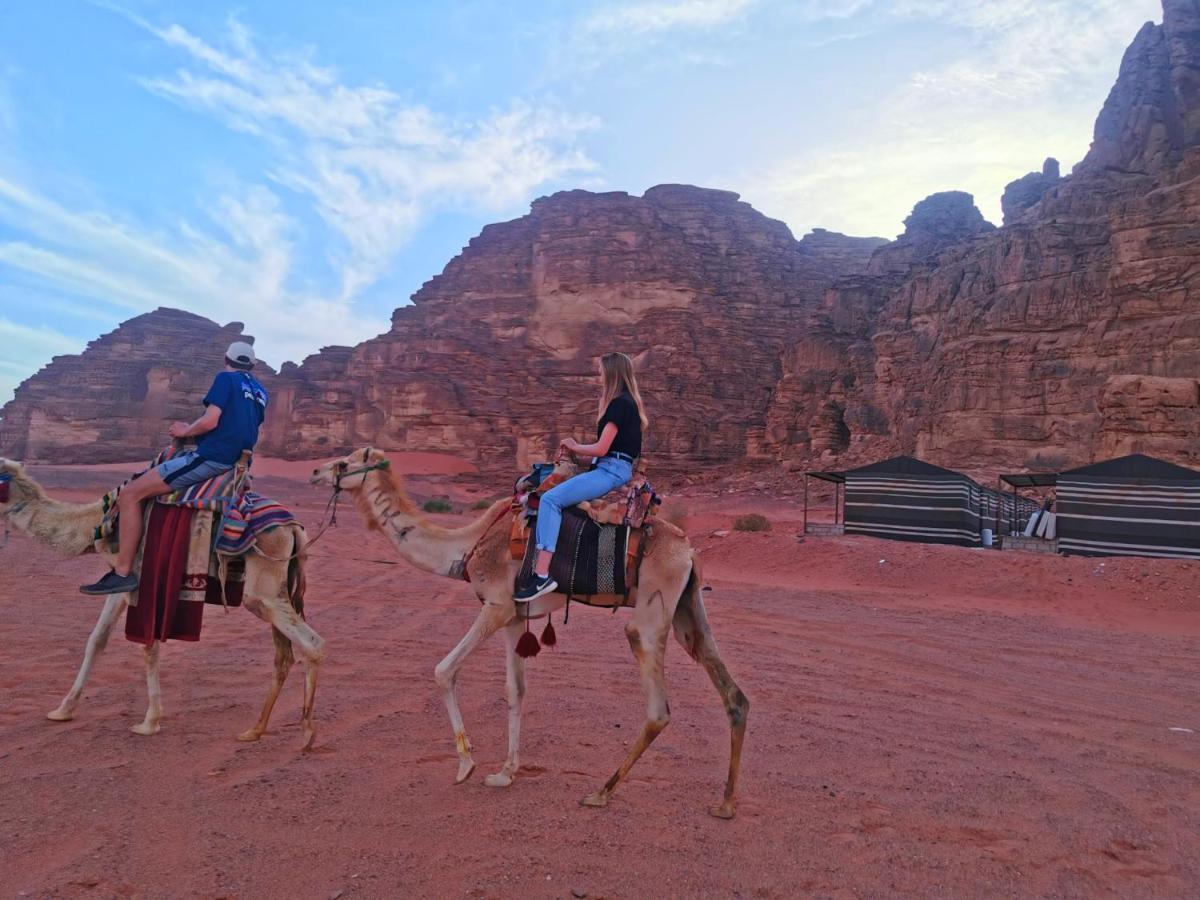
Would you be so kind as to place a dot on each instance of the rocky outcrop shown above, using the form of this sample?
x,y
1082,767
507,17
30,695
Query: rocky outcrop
x,y
1072,333
1021,195
1068,335
114,401
496,357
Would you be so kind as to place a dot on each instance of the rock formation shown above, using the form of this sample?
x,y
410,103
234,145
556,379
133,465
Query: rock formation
x,y
114,401
1070,334
1022,194
496,357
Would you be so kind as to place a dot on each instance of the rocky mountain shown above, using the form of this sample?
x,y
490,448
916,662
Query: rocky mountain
x,y
1070,333
114,401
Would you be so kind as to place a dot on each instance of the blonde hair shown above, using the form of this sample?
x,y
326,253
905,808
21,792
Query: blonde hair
x,y
617,369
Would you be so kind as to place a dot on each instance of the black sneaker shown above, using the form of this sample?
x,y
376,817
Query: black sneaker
x,y
111,583
535,586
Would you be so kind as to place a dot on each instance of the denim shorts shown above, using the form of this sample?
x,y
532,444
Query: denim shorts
x,y
189,468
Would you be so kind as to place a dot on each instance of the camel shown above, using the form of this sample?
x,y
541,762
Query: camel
x,y
667,597
274,591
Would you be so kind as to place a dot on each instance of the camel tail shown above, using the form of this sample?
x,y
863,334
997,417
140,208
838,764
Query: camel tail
x,y
284,654
296,581
691,621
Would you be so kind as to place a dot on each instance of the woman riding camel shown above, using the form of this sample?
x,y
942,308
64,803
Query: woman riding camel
x,y
619,424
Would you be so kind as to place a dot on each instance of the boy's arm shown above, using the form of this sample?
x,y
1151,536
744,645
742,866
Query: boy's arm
x,y
203,425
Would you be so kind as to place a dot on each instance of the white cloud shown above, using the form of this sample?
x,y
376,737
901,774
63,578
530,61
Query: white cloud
x,y
645,17
365,167
1027,85
373,164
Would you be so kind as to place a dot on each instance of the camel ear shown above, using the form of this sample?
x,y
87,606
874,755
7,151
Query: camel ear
x,y
366,453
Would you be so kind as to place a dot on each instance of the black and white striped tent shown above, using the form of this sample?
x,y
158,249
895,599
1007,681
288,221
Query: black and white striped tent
x,y
908,500
1133,506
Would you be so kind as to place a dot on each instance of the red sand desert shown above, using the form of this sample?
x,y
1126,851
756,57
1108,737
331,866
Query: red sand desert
x,y
926,720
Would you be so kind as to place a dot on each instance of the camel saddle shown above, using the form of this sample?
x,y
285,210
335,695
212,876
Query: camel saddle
x,y
600,543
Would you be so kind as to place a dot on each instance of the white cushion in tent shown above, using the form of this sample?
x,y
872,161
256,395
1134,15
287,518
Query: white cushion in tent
x,y
1032,524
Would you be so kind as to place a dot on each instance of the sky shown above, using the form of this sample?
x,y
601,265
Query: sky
x,y
303,167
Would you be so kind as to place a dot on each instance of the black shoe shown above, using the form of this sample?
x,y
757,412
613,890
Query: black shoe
x,y
535,586
111,583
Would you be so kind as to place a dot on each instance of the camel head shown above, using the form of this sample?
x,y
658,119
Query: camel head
x,y
349,472
16,486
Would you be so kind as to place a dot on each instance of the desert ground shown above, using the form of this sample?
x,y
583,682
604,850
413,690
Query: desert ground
x,y
926,721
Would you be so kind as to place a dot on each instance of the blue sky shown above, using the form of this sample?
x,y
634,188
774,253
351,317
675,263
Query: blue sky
x,y
305,166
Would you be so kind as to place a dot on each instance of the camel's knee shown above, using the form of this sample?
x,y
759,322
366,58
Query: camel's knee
x,y
656,723
443,674
737,706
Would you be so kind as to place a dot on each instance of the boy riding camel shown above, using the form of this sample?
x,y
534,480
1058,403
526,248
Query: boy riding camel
x,y
236,405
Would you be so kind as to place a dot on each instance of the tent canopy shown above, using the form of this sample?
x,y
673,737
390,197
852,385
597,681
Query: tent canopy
x,y
1136,465
904,465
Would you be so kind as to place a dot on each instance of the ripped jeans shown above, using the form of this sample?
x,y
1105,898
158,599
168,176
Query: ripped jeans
x,y
610,473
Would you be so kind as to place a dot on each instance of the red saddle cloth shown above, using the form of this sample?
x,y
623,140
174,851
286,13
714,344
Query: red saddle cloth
x,y
161,613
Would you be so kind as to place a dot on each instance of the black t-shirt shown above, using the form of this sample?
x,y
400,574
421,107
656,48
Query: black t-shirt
x,y
623,413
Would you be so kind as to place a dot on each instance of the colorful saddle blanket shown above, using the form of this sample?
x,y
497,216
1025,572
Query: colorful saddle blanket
x,y
214,494
589,560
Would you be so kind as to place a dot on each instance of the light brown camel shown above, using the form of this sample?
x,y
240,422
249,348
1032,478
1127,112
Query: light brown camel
x,y
274,591
668,594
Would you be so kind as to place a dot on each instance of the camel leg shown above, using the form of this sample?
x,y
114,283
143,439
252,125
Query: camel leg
x,y
150,725
737,707
647,635
490,618
283,665
515,689
114,605
693,632
302,638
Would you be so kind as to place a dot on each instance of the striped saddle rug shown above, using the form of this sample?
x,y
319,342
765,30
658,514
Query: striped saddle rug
x,y
593,563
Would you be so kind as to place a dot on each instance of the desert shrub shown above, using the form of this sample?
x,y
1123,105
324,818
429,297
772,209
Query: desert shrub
x,y
752,522
437,505
485,502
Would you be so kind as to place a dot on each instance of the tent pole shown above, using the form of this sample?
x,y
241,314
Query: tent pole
x,y
806,503
837,499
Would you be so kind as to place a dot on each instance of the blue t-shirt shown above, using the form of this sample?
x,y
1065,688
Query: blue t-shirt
x,y
243,405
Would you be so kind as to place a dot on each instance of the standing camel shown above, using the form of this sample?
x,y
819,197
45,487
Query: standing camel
x,y
274,591
667,595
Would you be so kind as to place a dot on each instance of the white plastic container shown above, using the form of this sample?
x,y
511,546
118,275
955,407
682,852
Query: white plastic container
x,y
986,536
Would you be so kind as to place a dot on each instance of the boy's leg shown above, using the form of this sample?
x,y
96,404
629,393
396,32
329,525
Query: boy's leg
x,y
129,522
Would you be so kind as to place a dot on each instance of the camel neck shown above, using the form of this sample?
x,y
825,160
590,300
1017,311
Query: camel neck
x,y
430,547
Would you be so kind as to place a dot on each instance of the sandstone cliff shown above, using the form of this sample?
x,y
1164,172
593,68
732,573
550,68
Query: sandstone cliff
x,y
496,357
1070,334
114,401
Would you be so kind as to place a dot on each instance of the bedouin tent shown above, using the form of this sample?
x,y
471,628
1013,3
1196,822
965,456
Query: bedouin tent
x,y
1132,506
908,500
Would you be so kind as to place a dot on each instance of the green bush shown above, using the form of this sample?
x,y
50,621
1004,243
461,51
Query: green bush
x,y
438,505
483,503
752,522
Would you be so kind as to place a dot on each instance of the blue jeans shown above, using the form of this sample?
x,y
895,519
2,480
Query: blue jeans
x,y
610,473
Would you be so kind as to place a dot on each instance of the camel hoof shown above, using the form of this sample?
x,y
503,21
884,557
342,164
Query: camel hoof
x,y
724,811
597,800
145,729
499,780
464,772
60,715
310,735
250,736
